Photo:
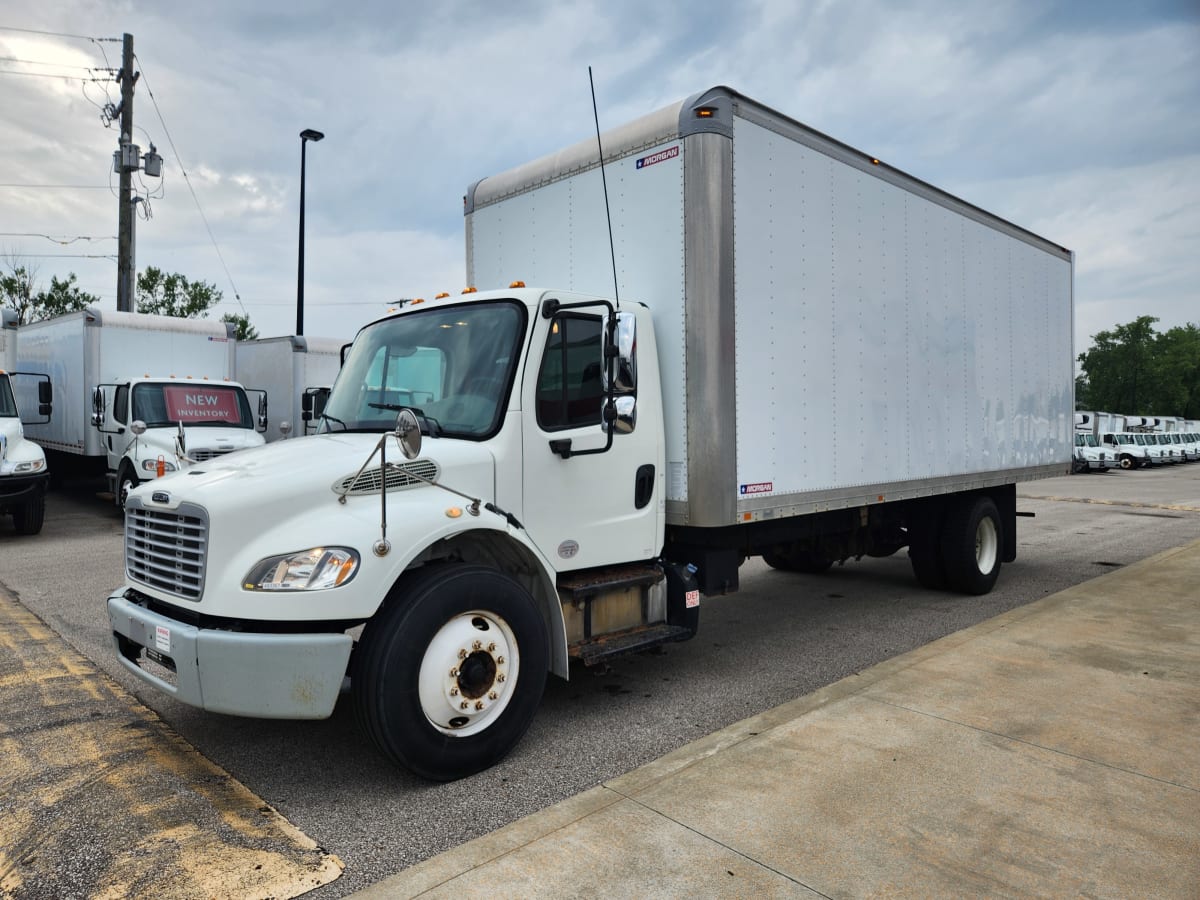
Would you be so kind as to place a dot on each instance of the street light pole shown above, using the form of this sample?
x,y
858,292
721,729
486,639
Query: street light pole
x,y
305,136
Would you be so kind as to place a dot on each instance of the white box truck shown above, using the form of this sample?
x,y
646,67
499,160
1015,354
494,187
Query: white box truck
x,y
1090,454
296,373
24,475
141,395
508,480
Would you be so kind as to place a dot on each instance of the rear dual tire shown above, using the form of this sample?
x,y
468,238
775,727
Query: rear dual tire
x,y
960,550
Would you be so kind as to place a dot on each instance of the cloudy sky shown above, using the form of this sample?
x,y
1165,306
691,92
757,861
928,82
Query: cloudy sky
x,y
1077,120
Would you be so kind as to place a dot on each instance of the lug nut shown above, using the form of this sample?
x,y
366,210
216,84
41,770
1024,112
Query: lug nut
x,y
491,648
462,654
463,705
492,695
479,704
454,672
499,660
477,645
501,677
453,692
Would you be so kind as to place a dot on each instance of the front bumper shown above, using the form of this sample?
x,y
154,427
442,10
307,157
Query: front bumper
x,y
266,676
17,489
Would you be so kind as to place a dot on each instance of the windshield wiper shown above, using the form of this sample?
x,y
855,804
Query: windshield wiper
x,y
430,425
334,419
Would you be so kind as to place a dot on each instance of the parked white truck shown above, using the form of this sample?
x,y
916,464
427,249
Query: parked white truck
x,y
24,475
512,479
296,373
141,395
1090,455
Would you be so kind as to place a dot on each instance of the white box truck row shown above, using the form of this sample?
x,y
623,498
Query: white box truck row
x,y
511,479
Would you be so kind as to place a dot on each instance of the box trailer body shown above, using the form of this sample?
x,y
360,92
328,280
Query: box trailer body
x,y
801,290
287,369
118,368
813,358
23,473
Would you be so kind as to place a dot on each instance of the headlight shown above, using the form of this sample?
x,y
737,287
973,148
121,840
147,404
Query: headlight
x,y
317,569
35,465
151,465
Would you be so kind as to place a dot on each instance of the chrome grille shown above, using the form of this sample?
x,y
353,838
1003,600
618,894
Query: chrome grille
x,y
203,455
398,477
167,549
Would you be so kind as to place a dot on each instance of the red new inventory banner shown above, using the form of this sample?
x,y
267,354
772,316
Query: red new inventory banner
x,y
202,404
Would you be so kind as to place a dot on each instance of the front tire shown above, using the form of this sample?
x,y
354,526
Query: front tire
x,y
450,672
126,482
972,546
28,519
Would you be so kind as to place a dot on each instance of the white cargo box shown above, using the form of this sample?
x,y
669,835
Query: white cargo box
x,y
833,332
285,368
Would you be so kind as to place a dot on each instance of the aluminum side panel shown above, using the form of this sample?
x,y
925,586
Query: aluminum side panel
x,y
883,337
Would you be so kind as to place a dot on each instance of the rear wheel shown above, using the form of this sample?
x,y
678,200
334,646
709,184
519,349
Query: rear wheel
x,y
28,519
972,545
448,675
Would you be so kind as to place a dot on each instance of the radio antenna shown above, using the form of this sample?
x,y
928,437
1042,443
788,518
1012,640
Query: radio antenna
x,y
604,181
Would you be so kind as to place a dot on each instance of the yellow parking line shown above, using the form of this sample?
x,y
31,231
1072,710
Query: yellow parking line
x,y
99,798
1131,503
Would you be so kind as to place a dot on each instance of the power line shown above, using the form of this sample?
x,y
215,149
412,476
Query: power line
x,y
78,37
51,75
74,187
188,181
63,241
68,256
36,62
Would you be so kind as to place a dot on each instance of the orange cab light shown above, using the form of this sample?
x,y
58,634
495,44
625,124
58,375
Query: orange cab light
x,y
705,112
441,295
470,290
418,300
517,284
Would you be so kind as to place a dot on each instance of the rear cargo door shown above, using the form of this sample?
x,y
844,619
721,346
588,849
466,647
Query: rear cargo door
x,y
587,508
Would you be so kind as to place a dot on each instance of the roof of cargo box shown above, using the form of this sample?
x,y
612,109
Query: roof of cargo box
x,y
148,321
712,112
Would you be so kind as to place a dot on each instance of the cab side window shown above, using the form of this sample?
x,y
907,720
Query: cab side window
x,y
121,404
570,386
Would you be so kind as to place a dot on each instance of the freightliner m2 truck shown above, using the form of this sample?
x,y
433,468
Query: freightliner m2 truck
x,y
23,473
512,479
141,395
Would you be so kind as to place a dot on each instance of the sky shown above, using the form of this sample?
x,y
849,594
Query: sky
x,y
1079,121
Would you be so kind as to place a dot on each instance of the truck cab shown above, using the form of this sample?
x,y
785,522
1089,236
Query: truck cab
x,y
1090,456
24,475
151,427
1131,450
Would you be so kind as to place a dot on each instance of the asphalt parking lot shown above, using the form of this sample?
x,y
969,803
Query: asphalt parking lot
x,y
781,637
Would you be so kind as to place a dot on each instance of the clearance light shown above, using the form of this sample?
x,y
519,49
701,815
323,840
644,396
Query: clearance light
x,y
517,284
418,300
705,112
874,161
470,290
454,512
441,295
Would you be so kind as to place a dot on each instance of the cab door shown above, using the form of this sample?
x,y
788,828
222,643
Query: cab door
x,y
590,499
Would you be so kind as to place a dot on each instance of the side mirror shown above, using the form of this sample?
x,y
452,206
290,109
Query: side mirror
x,y
98,407
285,428
625,379
45,392
262,412
138,427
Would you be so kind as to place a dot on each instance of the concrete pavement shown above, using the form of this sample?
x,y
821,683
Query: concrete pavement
x,y
1051,751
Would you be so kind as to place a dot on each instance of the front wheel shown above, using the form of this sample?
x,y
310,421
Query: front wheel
x,y
126,482
28,519
972,546
448,675
1127,462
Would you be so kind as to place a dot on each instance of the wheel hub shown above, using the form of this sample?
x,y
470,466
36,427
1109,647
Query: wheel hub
x,y
467,673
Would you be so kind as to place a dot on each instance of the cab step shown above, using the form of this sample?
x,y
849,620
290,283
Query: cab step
x,y
605,647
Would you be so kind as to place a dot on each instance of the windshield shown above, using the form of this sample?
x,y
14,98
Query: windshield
x,y
8,406
192,404
1086,440
452,365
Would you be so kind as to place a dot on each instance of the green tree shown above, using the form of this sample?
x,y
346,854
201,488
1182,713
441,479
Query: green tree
x,y
1178,356
173,294
18,291
243,330
1119,367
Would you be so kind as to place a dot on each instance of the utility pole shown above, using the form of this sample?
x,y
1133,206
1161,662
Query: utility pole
x,y
126,161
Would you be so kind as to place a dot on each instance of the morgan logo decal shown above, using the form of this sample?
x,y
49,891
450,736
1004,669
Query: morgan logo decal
x,y
660,156
763,487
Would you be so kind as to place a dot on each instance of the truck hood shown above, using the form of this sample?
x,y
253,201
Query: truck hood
x,y
284,475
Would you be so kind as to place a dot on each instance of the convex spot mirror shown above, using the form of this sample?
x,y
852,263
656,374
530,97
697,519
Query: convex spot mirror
x,y
408,433
625,377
